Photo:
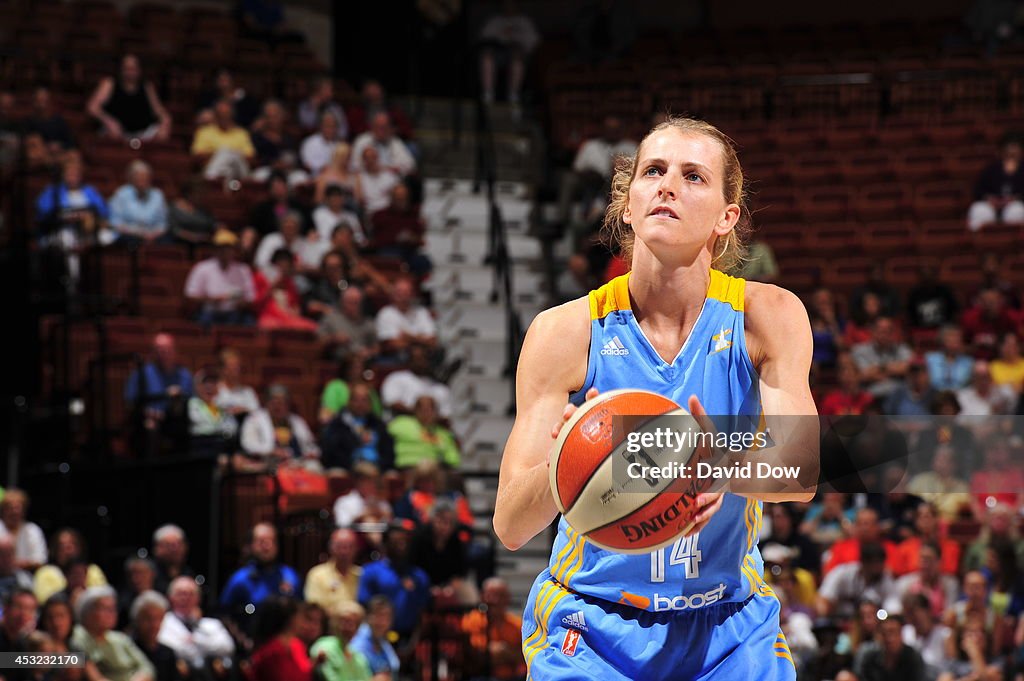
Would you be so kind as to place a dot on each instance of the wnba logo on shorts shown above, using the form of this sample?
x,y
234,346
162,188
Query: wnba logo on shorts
x,y
569,643
614,347
692,602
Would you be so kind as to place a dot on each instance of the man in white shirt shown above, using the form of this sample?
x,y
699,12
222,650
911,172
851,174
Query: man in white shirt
x,y
592,171
307,249
332,213
317,149
850,583
275,435
394,154
983,396
29,543
376,181
221,286
404,322
401,389
195,639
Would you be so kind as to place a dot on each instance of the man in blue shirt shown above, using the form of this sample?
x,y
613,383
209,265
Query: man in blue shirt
x,y
156,383
405,585
261,577
948,367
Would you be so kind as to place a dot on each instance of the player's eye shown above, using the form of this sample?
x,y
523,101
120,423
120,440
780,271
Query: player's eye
x,y
656,171
694,177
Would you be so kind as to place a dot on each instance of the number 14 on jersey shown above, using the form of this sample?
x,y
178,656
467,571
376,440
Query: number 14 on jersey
x,y
683,552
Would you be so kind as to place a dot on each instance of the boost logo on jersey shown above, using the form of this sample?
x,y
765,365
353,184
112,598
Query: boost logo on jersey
x,y
691,602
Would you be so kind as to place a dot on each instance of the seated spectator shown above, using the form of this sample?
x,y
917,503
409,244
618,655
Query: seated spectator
x,y
335,658
356,269
12,577
276,150
495,634
128,105
865,530
974,608
999,526
398,232
267,215
233,396
57,620
71,214
117,657
588,181
983,397
372,101
202,643
47,122
66,547
849,398
999,189
849,583
170,554
428,483
335,581
392,153
138,210
280,655
275,435
404,322
419,437
1008,366
320,102
376,181
860,327
401,389
940,591
261,577
941,486
148,612
784,532
827,520
27,537
949,368
394,576
351,370
139,577
334,212
985,322
800,593
943,429
372,638
310,623
213,430
927,530
17,619
915,396
440,547
338,173
278,304
345,328
883,360
356,434
306,250
828,328
506,38
889,657
317,149
221,287
366,503
187,220
931,304
223,148
161,384
970,660
224,87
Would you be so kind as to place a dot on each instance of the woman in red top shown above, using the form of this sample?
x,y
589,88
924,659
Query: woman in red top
x,y
277,302
280,654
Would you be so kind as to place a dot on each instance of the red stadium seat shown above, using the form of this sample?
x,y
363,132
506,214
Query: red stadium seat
x,y
894,236
847,273
835,237
940,237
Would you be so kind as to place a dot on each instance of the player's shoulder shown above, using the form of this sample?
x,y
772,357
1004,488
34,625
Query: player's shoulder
x,y
772,316
570,320
558,342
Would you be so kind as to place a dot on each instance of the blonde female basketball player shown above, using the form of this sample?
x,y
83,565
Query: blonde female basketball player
x,y
698,609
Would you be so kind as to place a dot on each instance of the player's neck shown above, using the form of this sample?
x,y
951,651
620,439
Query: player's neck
x,y
668,295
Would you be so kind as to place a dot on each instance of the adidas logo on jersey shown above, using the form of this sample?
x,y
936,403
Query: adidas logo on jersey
x,y
614,347
575,621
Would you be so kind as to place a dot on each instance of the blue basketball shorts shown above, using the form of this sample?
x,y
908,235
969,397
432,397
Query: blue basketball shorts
x,y
568,636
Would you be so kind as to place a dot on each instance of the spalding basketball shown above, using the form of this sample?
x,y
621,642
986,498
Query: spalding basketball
x,y
588,472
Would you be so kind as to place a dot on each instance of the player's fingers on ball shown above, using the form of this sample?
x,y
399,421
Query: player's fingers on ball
x,y
591,394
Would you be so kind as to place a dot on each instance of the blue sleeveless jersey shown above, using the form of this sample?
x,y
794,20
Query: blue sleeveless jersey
x,y
721,563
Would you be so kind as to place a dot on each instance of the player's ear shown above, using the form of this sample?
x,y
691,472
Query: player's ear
x,y
730,216
627,217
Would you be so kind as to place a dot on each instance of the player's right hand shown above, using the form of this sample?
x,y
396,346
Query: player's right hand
x,y
567,413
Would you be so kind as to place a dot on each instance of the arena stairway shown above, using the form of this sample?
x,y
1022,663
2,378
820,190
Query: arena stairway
x,y
470,307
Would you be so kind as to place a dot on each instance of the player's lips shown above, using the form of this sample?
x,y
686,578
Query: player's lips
x,y
664,211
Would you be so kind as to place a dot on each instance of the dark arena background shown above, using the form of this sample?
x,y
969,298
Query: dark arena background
x,y
268,265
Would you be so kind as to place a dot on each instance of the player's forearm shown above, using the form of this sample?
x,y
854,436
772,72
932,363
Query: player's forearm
x,y
524,507
786,470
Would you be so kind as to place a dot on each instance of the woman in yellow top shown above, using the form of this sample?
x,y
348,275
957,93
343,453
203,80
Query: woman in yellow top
x,y
67,546
1008,368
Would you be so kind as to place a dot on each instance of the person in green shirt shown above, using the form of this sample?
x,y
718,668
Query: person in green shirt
x,y
115,654
337,392
335,660
419,437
